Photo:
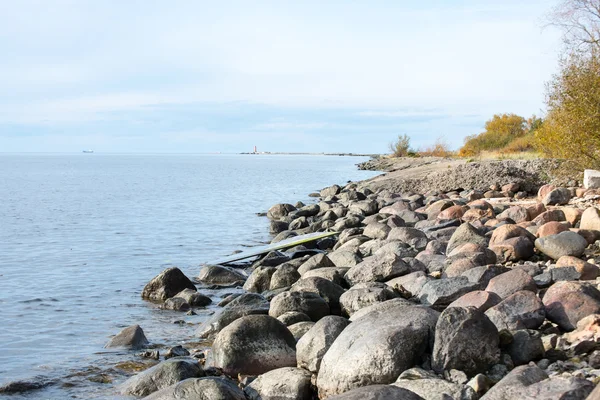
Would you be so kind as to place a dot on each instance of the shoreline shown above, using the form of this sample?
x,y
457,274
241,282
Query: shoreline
x,y
409,261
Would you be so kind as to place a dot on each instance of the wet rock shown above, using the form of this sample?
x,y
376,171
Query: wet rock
x,y
314,344
259,280
479,299
160,376
521,310
246,304
218,275
281,384
194,298
254,345
23,386
176,304
363,295
465,233
437,389
276,227
588,271
284,276
466,340
526,346
377,392
511,282
376,348
167,284
513,385
176,351
131,337
377,269
209,388
309,303
562,244
442,292
568,302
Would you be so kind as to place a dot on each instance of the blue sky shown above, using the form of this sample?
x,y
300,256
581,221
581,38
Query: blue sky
x,y
200,76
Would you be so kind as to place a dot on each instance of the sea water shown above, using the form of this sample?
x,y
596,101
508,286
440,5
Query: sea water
x,y
81,234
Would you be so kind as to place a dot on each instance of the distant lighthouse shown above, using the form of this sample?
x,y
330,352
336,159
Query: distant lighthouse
x,y
255,150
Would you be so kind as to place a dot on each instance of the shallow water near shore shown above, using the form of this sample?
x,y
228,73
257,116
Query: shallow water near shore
x,y
81,234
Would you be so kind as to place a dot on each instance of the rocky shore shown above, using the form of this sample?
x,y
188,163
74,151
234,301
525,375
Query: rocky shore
x,y
474,292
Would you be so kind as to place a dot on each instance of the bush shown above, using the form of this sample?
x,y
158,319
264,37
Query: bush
x,y
401,148
571,130
500,131
439,149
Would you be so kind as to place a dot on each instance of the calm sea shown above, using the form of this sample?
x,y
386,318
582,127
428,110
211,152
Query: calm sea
x,y
81,234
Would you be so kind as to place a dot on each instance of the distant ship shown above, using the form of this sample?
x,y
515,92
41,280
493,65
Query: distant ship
x,y
88,151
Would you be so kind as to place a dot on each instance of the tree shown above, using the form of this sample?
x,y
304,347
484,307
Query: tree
x,y
501,130
401,147
580,22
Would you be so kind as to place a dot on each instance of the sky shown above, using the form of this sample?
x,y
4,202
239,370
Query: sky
x,y
293,76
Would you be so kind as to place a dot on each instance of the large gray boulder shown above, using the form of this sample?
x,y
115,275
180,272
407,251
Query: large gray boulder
x,y
259,280
437,389
209,388
522,310
167,284
377,269
281,384
376,349
311,348
466,340
193,298
377,392
562,388
326,289
131,337
363,295
246,304
514,384
308,303
315,262
285,276
442,292
466,233
218,275
254,345
162,375
562,244
414,237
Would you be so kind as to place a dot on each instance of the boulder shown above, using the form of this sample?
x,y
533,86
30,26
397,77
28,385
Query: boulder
x,y
587,270
483,275
281,384
548,216
176,304
293,317
437,389
479,299
284,276
380,307
568,302
511,282
465,233
505,232
552,228
514,384
253,345
514,249
377,392
562,244
246,304
315,262
363,295
377,230
572,215
280,210
300,328
330,191
309,303
521,310
409,285
131,337
411,236
329,291
259,280
376,349
466,340
558,387
590,219
209,388
526,346
167,284
335,275
160,376
557,196
591,179
218,275
193,298
311,348
514,213
442,292
377,269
